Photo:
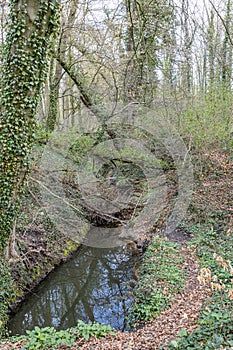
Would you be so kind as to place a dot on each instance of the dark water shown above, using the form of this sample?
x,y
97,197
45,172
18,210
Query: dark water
x,y
93,286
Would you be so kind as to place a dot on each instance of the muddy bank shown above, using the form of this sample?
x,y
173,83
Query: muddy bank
x,y
40,253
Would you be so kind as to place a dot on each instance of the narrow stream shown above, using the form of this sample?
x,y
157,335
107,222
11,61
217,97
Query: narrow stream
x,y
93,286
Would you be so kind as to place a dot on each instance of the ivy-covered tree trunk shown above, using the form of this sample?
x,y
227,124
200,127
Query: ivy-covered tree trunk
x,y
211,51
147,31
227,54
30,27
54,85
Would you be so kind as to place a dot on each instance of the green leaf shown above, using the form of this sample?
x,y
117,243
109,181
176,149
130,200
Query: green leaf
x,y
174,344
183,333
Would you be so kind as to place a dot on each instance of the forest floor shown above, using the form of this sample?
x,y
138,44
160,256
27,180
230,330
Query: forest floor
x,y
212,199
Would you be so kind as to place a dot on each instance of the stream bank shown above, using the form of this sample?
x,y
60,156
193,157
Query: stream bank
x,y
210,222
182,312
95,285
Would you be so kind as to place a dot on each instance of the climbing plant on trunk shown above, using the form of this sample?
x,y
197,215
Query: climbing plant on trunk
x,y
31,24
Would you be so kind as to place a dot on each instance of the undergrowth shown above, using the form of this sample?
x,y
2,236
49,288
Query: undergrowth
x,y
49,338
215,330
6,294
161,277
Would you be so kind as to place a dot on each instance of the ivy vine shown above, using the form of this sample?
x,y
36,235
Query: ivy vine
x,y
30,28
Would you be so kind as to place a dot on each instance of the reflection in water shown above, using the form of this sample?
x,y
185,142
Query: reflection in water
x,y
92,286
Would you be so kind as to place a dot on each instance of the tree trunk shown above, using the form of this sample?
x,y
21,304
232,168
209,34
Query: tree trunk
x,y
54,85
56,69
31,24
227,48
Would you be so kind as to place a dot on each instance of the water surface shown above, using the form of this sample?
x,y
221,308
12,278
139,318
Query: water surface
x,y
93,286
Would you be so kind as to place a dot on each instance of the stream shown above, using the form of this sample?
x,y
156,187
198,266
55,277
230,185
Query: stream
x,y
94,285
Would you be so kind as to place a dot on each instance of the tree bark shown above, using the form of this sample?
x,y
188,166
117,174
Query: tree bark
x,y
30,26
